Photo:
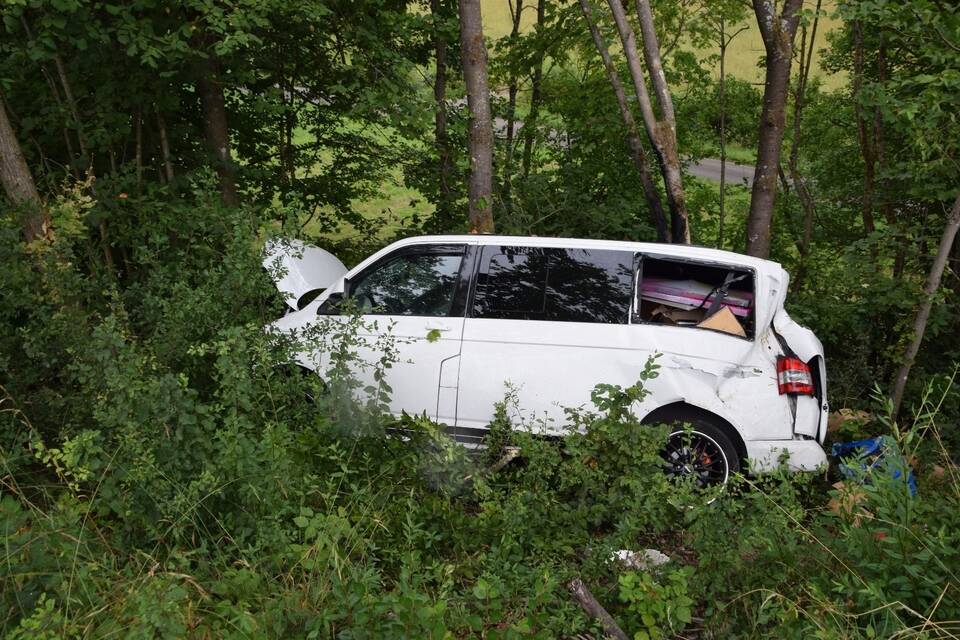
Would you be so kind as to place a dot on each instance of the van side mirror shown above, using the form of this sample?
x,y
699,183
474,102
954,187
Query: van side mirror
x,y
331,306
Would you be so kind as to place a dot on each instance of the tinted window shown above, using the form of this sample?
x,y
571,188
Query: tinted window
x,y
409,285
561,285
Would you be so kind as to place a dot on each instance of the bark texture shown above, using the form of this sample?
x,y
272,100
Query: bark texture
x,y
474,57
778,32
17,181
923,313
661,131
595,610
637,153
210,88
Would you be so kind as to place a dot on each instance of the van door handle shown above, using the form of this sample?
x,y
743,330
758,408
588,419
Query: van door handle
x,y
437,326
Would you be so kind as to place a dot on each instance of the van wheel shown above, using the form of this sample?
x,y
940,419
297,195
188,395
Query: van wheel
x,y
701,451
292,371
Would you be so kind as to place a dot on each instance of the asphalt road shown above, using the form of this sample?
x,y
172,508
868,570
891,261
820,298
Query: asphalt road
x,y
709,169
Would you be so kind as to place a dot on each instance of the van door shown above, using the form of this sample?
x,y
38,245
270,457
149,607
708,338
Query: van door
x,y
415,296
546,324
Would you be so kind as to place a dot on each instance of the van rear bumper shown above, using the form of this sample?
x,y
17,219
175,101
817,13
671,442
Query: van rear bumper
x,y
801,455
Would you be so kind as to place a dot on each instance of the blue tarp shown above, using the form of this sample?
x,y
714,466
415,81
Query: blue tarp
x,y
882,453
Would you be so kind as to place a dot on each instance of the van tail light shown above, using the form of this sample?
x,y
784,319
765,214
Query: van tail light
x,y
794,376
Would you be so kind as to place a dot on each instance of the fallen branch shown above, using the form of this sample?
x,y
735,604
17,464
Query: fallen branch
x,y
595,610
509,454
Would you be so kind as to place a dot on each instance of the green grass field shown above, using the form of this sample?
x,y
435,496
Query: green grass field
x,y
743,57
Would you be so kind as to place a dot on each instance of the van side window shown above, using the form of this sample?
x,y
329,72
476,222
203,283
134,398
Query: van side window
x,y
512,284
559,285
411,284
691,294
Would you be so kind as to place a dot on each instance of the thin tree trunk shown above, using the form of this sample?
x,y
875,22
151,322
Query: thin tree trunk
x,y
215,127
662,133
18,183
165,148
87,157
724,44
923,314
512,88
673,179
286,178
867,149
530,126
777,32
66,131
637,153
799,185
138,148
886,203
474,55
442,143
723,131
72,105
56,98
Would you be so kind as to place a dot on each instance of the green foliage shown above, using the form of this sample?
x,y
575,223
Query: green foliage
x,y
661,603
163,477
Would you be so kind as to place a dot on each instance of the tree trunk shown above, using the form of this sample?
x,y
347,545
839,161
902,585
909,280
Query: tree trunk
x,y
474,56
662,133
215,128
72,105
444,206
793,164
637,153
724,44
512,89
18,182
138,148
777,32
673,180
165,148
889,211
530,126
56,98
723,131
923,314
867,147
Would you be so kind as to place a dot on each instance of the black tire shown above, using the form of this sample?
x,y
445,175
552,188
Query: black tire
x,y
298,371
696,447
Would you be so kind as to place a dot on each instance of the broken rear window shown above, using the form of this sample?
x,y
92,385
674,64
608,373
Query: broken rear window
x,y
690,294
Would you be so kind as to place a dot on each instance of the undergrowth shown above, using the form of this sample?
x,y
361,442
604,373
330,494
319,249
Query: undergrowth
x,y
165,476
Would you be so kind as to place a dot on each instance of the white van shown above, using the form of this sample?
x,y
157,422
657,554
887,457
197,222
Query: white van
x,y
553,317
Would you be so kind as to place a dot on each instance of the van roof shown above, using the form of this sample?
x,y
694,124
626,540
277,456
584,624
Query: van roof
x,y
661,249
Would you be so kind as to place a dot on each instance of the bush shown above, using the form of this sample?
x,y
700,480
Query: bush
x,y
163,477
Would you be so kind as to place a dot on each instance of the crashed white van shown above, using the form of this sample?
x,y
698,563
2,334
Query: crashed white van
x,y
553,317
